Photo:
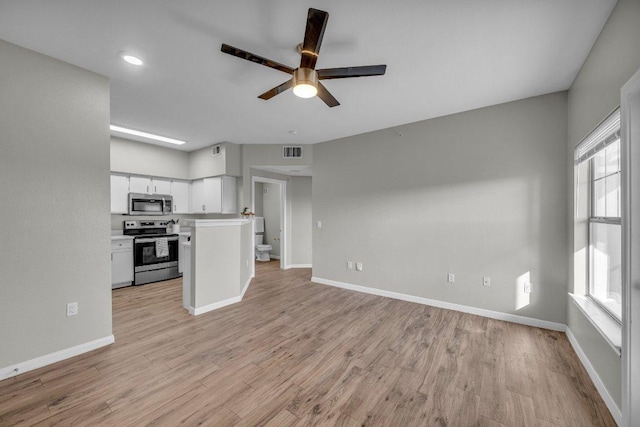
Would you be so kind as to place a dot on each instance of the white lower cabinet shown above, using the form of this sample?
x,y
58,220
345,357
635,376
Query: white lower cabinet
x,y
182,240
121,262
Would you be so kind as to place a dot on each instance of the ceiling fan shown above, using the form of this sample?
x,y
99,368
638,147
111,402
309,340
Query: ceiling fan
x,y
305,79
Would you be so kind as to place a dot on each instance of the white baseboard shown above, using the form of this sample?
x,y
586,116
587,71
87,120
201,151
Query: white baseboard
x,y
298,266
223,303
514,318
602,389
274,256
48,359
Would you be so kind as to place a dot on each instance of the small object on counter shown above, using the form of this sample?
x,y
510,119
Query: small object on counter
x,y
247,213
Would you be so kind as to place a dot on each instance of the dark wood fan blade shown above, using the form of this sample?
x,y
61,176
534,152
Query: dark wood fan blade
x,y
277,90
346,72
255,58
316,23
326,96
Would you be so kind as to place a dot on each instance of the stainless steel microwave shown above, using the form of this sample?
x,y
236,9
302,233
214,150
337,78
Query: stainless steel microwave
x,y
150,204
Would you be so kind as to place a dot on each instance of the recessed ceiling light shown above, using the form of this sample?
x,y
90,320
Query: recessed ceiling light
x,y
131,59
148,135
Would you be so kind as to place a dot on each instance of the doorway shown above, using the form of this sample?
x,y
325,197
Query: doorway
x,y
269,201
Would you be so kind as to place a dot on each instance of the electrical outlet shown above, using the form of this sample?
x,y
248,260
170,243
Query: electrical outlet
x,y
486,281
319,224
350,265
451,278
358,266
72,309
527,288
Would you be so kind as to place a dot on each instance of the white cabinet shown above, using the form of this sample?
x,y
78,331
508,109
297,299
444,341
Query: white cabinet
x,y
161,186
214,195
181,192
121,262
145,184
229,204
140,184
119,194
182,239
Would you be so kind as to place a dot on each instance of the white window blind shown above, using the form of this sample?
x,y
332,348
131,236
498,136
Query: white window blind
x,y
606,133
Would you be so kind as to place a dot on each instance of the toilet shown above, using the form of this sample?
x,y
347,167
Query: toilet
x,y
262,250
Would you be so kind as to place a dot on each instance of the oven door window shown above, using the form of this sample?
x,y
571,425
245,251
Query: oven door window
x,y
145,253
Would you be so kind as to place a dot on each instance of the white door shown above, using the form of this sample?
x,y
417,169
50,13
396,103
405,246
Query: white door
x,y
229,199
197,196
119,194
181,201
140,184
213,195
161,186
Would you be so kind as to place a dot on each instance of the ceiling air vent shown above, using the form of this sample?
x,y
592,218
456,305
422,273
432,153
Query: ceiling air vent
x,y
216,150
291,152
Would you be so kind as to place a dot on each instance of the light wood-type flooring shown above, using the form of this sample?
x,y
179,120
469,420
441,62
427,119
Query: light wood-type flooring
x,y
295,353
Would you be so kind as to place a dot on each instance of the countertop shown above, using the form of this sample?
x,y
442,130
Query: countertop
x,y
121,237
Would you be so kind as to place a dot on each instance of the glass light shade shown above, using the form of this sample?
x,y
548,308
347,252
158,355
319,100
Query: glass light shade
x,y
305,82
305,90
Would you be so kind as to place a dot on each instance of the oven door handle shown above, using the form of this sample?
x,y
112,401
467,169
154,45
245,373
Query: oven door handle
x,y
150,240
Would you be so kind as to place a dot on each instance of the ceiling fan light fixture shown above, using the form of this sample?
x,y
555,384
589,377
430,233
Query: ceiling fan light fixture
x,y
305,82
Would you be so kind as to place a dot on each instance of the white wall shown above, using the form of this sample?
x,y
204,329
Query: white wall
x,y
301,213
54,242
203,164
271,211
147,159
595,93
481,193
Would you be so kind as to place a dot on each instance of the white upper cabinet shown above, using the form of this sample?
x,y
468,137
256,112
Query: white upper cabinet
x,y
161,186
214,195
147,185
180,190
119,194
229,205
140,184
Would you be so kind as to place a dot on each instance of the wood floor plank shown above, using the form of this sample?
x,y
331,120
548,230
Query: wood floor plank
x,y
295,353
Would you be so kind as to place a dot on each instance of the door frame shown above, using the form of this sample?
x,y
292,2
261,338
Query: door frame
x,y
630,143
283,215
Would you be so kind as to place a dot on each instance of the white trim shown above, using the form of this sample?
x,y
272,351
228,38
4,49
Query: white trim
x,y
602,389
514,318
283,214
630,183
216,305
48,359
298,266
603,322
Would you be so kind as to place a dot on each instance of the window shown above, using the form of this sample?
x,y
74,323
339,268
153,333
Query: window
x,y
600,152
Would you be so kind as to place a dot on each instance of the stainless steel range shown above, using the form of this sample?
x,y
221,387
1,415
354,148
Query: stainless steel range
x,y
155,253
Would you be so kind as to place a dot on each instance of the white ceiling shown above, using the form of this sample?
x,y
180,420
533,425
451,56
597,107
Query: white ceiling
x,y
442,57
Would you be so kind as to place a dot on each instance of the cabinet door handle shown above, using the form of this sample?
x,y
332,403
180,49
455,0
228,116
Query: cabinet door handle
x,y
203,208
155,188
175,208
147,188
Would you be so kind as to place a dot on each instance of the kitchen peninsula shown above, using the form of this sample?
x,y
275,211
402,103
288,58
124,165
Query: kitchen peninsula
x,y
217,263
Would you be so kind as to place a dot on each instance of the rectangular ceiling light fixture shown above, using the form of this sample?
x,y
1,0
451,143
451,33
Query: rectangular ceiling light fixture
x,y
141,134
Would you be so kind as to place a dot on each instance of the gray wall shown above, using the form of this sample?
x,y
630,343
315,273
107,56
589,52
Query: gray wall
x,y
301,212
258,200
481,193
202,163
271,212
54,158
595,93
147,159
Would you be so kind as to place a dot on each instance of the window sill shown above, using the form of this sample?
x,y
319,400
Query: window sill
x,y
609,328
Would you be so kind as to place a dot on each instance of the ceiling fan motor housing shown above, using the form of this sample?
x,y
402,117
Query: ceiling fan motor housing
x,y
305,76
